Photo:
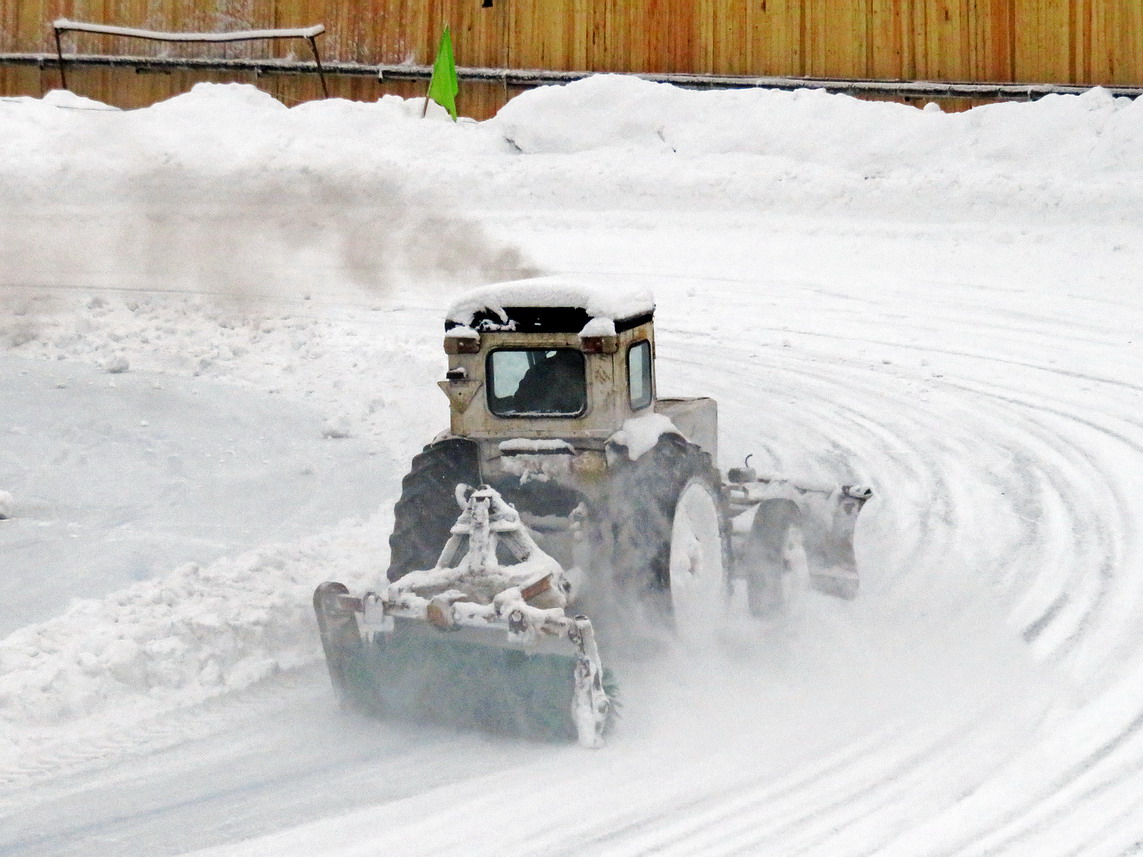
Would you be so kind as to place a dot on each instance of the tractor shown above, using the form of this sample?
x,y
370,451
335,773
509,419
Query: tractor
x,y
566,487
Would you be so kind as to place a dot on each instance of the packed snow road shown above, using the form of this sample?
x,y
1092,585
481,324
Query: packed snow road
x,y
973,355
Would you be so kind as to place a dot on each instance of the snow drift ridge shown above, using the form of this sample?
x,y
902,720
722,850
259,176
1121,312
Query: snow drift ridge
x,y
176,640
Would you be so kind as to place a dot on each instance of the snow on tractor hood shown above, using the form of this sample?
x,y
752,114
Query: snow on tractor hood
x,y
491,307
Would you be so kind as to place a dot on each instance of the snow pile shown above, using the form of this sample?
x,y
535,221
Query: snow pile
x,y
336,428
1092,133
116,364
226,190
300,349
240,132
179,639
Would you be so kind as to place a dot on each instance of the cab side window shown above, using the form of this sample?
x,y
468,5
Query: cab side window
x,y
639,383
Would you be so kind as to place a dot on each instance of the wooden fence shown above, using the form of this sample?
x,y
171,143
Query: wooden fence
x,y
1059,41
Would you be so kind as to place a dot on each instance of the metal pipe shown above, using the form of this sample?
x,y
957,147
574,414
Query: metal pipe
x,y
59,57
527,78
317,61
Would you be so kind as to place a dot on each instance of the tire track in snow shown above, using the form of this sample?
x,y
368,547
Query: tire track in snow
x,y
1099,539
1090,621
813,818
717,805
922,553
1110,537
1104,544
1037,626
1072,820
67,758
162,779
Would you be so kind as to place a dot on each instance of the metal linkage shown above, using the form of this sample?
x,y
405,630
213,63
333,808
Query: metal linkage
x,y
469,590
826,515
592,706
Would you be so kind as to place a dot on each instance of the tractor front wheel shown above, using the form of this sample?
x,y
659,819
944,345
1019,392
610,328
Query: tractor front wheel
x,y
427,509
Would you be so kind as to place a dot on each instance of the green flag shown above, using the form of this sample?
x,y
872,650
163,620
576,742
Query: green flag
x,y
443,85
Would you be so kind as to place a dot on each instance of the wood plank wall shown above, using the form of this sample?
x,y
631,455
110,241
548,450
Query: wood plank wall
x,y
1053,41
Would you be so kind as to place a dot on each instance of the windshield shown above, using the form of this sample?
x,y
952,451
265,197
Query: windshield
x,y
533,382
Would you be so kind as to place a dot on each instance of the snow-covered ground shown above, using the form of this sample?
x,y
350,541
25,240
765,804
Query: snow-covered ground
x,y
220,333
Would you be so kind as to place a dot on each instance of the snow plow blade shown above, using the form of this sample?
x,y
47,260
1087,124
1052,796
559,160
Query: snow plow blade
x,y
470,642
467,677
825,517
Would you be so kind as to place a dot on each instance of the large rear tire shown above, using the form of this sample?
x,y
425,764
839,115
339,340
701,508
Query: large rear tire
x,y
699,573
427,509
670,538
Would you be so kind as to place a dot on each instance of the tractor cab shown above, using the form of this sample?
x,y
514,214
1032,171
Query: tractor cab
x,y
548,360
565,484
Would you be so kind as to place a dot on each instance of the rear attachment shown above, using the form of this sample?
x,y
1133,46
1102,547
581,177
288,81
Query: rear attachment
x,y
824,517
471,641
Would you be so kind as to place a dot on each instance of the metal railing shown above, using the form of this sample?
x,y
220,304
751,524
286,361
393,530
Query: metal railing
x,y
911,90
309,34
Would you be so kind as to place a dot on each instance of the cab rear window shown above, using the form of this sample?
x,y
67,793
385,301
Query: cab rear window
x,y
536,382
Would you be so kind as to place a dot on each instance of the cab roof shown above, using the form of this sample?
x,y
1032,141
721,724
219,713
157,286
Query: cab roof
x,y
549,305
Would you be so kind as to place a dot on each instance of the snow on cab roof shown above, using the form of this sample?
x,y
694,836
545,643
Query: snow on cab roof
x,y
597,300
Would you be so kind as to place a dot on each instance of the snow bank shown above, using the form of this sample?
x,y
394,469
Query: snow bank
x,y
226,190
1090,133
240,131
300,350
177,640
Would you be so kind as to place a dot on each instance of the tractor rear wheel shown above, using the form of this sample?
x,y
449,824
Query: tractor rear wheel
x,y
699,573
670,538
